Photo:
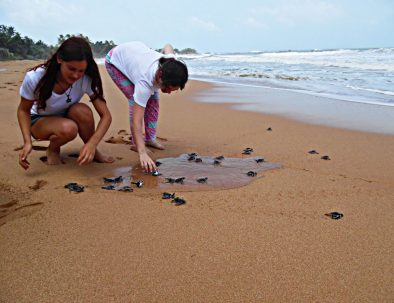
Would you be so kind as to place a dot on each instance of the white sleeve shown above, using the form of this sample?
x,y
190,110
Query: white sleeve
x,y
27,88
87,86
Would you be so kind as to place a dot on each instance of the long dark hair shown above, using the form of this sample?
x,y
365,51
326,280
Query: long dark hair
x,y
72,49
173,72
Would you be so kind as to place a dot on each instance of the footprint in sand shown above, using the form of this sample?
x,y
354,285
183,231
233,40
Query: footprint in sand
x,y
39,184
10,206
119,139
123,137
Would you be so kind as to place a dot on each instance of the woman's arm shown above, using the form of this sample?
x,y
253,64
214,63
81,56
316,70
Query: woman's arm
x,y
88,150
137,126
168,49
24,120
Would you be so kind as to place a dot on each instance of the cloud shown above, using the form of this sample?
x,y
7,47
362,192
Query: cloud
x,y
299,11
202,24
252,22
34,11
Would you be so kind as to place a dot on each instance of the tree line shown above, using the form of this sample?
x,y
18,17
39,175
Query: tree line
x,y
15,47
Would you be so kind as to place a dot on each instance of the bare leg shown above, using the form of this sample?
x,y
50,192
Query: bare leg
x,y
58,131
82,115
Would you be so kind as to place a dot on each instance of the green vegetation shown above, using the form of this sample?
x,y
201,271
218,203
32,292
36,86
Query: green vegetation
x,y
187,51
99,48
15,47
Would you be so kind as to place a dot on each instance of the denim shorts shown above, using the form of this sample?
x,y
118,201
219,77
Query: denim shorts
x,y
34,117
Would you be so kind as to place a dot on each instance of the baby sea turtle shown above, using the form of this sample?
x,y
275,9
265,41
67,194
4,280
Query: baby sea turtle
x,y
108,187
325,158
75,187
269,129
216,162
114,180
139,183
220,158
198,160
156,173
125,189
158,163
192,155
191,158
259,160
334,215
251,173
178,201
247,151
170,180
313,152
168,195
179,180
202,180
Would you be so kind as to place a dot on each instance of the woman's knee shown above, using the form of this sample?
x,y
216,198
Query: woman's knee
x,y
67,129
80,113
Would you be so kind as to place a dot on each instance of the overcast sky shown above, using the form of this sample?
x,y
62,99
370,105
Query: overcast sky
x,y
214,26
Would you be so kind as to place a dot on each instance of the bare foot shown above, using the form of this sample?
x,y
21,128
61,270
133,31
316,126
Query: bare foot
x,y
155,144
133,147
53,157
101,158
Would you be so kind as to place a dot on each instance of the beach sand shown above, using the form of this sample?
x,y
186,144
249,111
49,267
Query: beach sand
x,y
268,241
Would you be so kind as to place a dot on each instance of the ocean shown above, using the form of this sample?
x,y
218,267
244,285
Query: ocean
x,y
345,88
358,75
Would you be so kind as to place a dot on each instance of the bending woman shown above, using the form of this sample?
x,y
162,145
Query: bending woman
x,y
50,110
140,72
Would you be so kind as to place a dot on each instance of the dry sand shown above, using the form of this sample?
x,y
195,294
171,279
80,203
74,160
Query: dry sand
x,y
268,241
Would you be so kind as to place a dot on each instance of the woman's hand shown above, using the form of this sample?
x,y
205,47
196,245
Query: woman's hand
x,y
147,163
24,121
86,155
26,150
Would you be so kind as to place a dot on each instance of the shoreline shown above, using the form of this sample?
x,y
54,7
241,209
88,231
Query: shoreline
x,y
326,111
267,241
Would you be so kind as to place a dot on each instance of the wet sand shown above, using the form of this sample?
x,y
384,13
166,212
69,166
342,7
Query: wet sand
x,y
268,241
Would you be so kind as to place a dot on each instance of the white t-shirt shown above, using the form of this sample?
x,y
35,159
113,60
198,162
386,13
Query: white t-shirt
x,y
56,104
139,64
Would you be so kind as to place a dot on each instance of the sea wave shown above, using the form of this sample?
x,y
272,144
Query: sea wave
x,y
341,58
378,91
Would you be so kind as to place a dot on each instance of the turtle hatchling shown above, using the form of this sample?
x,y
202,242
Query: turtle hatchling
x,y
113,180
334,215
138,183
168,195
178,201
202,180
75,187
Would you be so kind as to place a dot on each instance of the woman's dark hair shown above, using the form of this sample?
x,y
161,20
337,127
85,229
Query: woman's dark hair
x,y
72,49
173,72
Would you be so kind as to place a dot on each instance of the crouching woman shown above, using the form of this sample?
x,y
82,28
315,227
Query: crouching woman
x,y
50,107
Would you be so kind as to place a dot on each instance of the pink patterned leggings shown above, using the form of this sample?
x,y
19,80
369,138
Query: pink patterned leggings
x,y
151,114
